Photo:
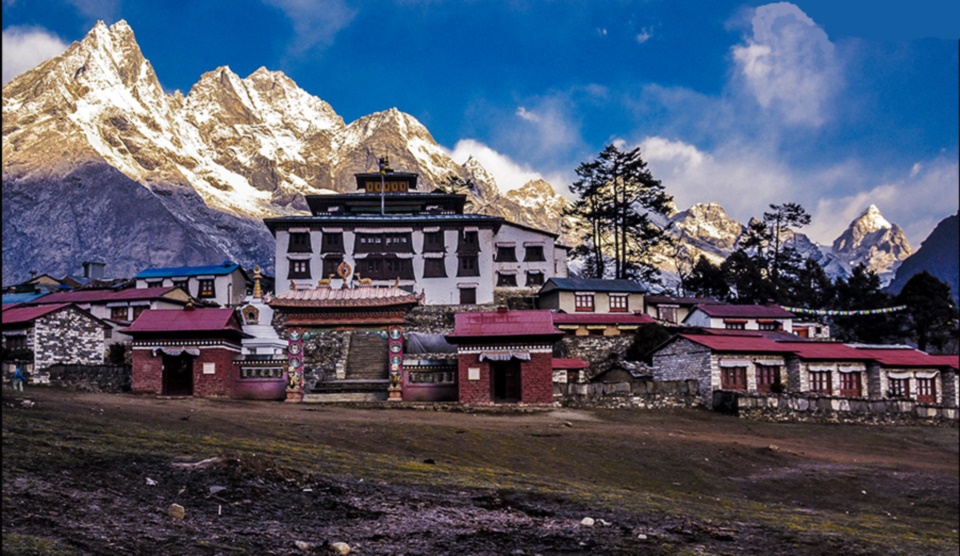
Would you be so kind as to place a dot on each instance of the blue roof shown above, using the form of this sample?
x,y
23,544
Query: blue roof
x,y
215,270
593,285
11,298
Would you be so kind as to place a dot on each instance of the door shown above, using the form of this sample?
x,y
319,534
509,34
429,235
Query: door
x,y
178,375
506,381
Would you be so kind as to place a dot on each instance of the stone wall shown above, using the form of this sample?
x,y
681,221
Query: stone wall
x,y
91,378
685,360
68,337
324,356
643,393
595,350
438,319
813,408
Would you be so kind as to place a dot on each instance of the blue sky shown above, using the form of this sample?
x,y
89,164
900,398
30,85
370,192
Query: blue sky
x,y
741,103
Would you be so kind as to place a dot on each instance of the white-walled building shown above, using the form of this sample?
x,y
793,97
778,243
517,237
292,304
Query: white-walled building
x,y
224,284
421,242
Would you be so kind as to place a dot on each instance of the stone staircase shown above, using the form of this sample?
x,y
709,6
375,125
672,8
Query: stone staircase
x,y
367,375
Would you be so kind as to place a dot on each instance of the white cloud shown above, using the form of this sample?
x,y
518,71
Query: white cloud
x,y
26,47
508,173
644,35
789,65
917,202
315,22
97,9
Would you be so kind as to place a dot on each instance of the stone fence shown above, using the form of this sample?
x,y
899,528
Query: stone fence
x,y
814,408
644,393
88,378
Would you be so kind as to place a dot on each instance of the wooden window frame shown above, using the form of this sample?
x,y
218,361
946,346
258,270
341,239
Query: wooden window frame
x,y
767,377
468,265
534,253
733,378
115,313
299,242
821,382
898,388
332,242
539,281
505,280
434,268
619,303
927,390
466,294
433,242
851,385
299,269
584,303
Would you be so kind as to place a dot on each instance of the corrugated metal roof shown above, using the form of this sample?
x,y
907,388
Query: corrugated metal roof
x,y
826,351
195,320
569,364
686,301
593,285
900,357
601,318
360,296
745,311
504,323
104,296
952,361
738,344
21,315
14,298
170,272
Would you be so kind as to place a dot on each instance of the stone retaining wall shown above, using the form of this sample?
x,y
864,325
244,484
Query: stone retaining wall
x,y
89,378
640,393
808,408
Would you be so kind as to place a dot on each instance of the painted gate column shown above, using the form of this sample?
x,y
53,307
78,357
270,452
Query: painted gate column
x,y
295,366
395,350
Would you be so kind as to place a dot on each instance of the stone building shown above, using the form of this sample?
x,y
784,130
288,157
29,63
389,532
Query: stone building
x,y
902,372
505,356
422,242
741,317
60,333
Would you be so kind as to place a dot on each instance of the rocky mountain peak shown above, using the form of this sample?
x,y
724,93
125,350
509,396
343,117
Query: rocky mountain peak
x,y
540,195
872,240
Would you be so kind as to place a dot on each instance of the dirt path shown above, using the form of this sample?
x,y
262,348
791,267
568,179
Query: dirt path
x,y
97,473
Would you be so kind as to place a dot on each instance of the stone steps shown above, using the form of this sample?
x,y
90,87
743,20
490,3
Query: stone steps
x,y
367,359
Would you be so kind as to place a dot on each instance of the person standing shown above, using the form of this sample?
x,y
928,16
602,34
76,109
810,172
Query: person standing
x,y
18,379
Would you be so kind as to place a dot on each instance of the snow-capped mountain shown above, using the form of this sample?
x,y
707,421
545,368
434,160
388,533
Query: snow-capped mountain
x,y
99,163
874,242
187,180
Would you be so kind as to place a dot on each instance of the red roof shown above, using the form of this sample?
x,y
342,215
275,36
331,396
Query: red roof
x,y
21,315
360,296
903,357
826,351
746,311
682,301
569,364
601,318
952,361
504,323
196,320
738,344
103,296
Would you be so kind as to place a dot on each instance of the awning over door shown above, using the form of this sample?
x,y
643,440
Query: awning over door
x,y
175,351
504,355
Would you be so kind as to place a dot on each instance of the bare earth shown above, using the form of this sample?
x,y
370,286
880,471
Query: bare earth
x,y
97,474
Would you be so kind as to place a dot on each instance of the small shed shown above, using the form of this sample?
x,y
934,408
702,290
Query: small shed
x,y
194,352
505,356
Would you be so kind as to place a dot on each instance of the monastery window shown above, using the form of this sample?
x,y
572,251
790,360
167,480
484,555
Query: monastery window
x,y
469,265
398,243
469,242
730,324
768,378
506,254
381,268
468,296
768,325
733,378
619,303
434,268
668,313
899,388
107,332
183,285
119,313
154,283
433,242
139,309
433,377
298,269
506,280
534,253
332,242
820,382
299,243
534,278
16,342
583,302
850,385
926,390
330,265
207,288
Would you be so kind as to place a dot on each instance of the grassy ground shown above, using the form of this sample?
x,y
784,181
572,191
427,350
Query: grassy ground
x,y
295,478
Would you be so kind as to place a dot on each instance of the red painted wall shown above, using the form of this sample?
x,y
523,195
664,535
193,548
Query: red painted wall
x,y
148,373
536,380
